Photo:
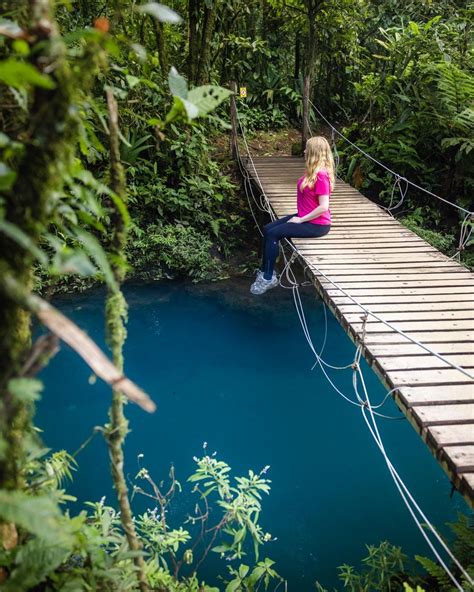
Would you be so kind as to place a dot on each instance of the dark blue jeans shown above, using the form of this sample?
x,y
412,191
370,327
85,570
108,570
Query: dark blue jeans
x,y
275,231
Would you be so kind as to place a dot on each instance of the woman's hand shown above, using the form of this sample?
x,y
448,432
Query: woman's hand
x,y
295,220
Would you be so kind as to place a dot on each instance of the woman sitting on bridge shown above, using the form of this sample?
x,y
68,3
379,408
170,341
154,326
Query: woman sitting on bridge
x,y
313,218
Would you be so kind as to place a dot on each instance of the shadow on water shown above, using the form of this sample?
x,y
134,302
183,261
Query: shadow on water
x,y
234,370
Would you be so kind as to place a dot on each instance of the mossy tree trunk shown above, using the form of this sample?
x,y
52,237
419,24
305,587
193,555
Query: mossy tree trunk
x,y
161,46
49,133
116,316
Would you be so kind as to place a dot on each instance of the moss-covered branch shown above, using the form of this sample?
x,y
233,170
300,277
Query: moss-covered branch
x,y
116,316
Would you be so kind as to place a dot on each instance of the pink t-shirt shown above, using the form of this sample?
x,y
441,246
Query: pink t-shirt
x,y
308,199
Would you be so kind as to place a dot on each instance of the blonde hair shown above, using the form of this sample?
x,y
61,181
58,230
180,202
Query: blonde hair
x,y
318,156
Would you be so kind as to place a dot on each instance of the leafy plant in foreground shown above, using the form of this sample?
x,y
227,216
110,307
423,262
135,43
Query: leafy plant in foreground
x,y
90,551
224,521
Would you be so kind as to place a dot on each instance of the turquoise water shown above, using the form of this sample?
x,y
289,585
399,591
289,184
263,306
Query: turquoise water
x,y
235,371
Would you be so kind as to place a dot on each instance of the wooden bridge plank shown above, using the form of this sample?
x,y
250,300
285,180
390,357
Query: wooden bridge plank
x,y
425,361
451,435
427,337
448,376
398,278
446,305
451,326
462,457
412,349
414,301
438,395
386,267
395,317
433,415
357,291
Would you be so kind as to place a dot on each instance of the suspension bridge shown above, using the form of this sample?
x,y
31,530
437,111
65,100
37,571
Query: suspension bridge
x,y
408,307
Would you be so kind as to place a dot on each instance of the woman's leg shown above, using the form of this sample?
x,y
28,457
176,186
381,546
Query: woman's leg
x,y
268,228
287,230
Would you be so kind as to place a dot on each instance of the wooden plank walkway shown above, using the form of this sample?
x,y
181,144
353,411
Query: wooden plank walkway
x,y
408,283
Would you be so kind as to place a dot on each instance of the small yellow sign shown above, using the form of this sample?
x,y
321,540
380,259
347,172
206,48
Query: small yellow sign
x,y
243,92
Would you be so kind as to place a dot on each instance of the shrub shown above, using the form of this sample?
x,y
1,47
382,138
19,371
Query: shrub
x,y
172,251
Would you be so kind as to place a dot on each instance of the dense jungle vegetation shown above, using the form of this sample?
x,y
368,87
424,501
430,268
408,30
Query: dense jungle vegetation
x,y
116,164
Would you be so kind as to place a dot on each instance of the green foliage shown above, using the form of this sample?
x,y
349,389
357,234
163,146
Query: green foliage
x,y
416,114
18,74
33,562
256,118
397,72
385,568
38,515
463,550
90,551
441,241
172,251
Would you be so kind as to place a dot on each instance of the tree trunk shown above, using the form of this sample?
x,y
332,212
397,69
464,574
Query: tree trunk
x,y
296,72
203,73
193,44
161,46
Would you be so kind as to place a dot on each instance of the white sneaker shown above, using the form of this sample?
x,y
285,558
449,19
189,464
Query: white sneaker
x,y
261,285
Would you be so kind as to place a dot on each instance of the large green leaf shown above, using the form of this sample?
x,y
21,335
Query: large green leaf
x,y
20,74
206,98
160,12
38,515
181,108
33,563
177,83
95,250
7,176
21,238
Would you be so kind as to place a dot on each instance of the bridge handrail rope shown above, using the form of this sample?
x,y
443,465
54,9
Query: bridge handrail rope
x,y
395,174
362,404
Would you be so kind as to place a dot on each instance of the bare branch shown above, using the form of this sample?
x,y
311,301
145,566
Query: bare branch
x,y
78,340
44,348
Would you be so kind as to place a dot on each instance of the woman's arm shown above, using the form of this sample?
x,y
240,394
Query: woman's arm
x,y
323,207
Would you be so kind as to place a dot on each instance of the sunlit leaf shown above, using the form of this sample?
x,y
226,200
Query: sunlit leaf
x,y
95,250
19,74
206,98
177,83
160,12
21,238
7,176
25,389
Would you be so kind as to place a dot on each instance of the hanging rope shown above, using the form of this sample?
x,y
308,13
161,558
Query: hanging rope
x,y
334,149
467,226
401,184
